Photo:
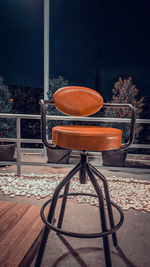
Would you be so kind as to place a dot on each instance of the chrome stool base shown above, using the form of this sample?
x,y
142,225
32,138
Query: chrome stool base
x,y
85,169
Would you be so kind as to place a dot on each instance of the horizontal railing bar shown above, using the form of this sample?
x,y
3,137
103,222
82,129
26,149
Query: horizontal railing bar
x,y
69,118
21,116
8,163
21,140
140,146
13,140
144,121
31,141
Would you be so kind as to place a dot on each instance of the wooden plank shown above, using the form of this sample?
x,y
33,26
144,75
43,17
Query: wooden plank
x,y
28,258
10,216
2,264
20,226
5,206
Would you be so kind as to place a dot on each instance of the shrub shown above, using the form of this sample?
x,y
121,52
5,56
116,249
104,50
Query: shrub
x,y
54,85
7,126
26,101
125,92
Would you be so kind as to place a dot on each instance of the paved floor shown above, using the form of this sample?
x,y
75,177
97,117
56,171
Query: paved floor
x,y
133,237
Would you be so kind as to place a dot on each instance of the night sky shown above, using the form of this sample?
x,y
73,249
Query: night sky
x,y
110,36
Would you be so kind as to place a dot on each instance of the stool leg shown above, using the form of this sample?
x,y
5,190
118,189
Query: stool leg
x,y
102,215
52,210
63,205
110,213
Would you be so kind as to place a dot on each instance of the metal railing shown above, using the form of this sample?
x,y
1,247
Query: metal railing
x,y
20,140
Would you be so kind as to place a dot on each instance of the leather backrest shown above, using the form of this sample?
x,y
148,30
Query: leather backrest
x,y
77,101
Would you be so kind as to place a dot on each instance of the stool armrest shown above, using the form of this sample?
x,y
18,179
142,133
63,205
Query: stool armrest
x,y
43,104
132,123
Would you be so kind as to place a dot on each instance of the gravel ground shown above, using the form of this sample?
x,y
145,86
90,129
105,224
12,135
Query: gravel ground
x,y
127,193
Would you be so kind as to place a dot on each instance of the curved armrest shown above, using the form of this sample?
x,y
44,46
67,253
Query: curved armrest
x,y
43,104
132,123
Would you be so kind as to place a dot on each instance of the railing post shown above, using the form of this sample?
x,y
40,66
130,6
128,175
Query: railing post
x,y
18,148
46,47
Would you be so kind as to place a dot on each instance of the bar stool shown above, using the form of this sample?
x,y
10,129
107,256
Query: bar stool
x,y
82,101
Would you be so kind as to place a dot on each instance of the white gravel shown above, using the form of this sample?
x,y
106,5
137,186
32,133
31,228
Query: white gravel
x,y
127,193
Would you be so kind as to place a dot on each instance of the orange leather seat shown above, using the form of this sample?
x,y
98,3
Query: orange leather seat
x,y
87,137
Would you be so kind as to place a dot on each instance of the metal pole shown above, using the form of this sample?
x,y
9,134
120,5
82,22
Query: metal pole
x,y
18,148
46,48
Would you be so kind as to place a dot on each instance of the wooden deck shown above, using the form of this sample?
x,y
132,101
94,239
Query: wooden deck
x,y
20,233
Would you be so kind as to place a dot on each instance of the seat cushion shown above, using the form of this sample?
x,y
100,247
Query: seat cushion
x,y
87,137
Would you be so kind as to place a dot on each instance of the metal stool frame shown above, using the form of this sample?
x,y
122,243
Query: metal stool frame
x,y
85,169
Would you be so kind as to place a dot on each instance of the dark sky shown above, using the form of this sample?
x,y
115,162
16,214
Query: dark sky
x,y
84,33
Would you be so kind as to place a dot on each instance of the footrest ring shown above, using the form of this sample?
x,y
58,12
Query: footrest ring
x,y
82,235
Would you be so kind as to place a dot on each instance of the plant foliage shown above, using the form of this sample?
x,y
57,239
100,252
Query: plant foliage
x,y
125,91
26,101
54,85
7,126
